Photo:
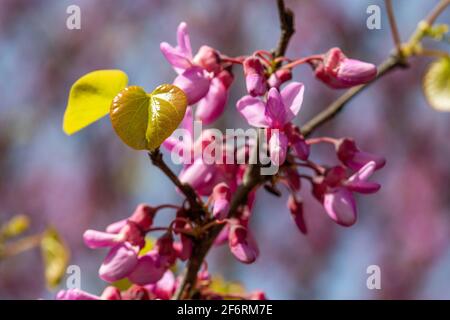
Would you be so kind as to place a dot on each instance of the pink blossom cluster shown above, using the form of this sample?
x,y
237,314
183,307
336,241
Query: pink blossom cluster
x,y
272,103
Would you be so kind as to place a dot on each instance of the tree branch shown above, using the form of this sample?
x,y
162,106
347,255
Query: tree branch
x,y
394,29
431,18
286,17
192,197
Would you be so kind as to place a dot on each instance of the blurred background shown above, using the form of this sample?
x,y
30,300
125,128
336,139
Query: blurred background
x,y
91,179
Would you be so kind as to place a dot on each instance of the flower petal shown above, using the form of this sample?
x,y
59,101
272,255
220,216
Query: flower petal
x,y
340,206
194,82
292,96
184,42
242,244
120,261
278,148
358,181
177,59
116,226
254,111
149,269
75,294
97,239
276,110
213,104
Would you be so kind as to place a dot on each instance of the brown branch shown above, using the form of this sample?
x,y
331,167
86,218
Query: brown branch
x,y
192,197
394,29
431,18
286,17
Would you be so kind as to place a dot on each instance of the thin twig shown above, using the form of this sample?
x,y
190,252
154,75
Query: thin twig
x,y
394,29
192,197
286,17
431,18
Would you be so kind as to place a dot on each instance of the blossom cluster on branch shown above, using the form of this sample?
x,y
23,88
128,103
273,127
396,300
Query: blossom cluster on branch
x,y
272,103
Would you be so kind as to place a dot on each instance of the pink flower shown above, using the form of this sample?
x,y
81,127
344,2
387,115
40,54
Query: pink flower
x,y
195,83
221,198
255,79
164,288
202,77
335,189
125,238
338,71
110,293
149,269
349,154
242,244
75,294
279,109
296,208
213,104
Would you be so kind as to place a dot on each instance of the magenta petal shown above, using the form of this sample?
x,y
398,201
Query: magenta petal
x,y
360,158
256,85
278,148
292,96
75,294
97,239
275,109
200,176
184,42
111,293
340,206
354,72
176,58
254,111
149,269
194,82
242,244
357,182
165,287
119,262
116,226
213,104
296,208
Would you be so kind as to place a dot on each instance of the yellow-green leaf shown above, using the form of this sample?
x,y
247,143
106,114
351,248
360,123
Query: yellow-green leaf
x,y
144,121
55,255
14,227
90,98
436,84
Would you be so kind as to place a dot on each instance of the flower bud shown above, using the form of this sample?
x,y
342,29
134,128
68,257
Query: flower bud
x,y
255,79
339,72
349,154
221,197
296,208
242,244
143,216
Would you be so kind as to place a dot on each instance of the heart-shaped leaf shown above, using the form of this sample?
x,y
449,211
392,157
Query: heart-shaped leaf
x,y
144,121
90,98
436,84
